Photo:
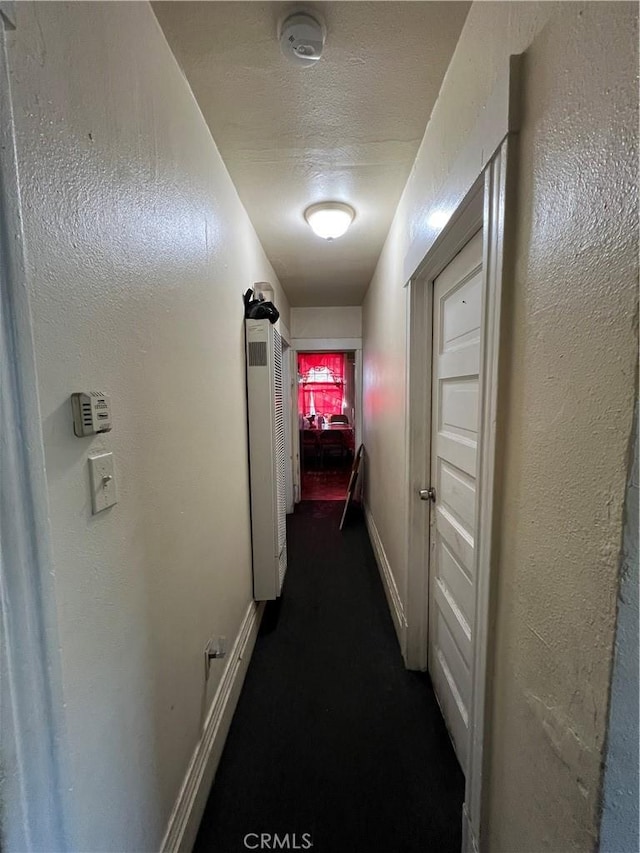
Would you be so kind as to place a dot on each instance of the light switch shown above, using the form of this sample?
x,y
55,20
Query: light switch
x,y
103,482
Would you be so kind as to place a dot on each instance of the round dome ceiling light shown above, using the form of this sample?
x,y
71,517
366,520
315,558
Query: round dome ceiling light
x,y
329,219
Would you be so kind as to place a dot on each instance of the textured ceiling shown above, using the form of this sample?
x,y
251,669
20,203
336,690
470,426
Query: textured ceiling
x,y
346,129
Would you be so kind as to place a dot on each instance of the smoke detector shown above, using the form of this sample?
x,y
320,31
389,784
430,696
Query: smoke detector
x,y
302,39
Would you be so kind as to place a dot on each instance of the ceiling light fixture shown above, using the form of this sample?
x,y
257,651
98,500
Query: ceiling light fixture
x,y
330,219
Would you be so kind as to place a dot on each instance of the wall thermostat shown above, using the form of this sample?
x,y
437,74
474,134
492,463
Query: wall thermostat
x,y
91,413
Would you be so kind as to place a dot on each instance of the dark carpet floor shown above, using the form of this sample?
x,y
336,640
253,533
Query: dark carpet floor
x,y
330,485
332,736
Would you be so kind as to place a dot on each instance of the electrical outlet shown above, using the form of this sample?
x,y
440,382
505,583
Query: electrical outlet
x,y
215,649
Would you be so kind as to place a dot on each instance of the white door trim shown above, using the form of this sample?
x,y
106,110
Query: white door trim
x,y
358,400
326,344
466,222
482,205
323,345
288,426
498,184
295,424
499,117
35,770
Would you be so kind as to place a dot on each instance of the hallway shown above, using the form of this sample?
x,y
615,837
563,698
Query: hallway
x,y
445,194
332,736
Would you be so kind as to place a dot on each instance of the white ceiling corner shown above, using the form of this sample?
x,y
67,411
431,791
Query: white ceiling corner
x,y
347,129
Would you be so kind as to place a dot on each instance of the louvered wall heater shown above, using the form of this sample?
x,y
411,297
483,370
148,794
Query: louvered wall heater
x,y
266,458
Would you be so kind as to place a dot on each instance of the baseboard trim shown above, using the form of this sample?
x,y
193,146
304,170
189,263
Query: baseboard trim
x,y
388,581
469,843
189,806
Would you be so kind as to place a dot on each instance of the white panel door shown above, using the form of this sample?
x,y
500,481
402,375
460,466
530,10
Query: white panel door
x,y
457,306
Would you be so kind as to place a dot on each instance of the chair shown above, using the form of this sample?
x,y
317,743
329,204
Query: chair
x,y
310,446
331,443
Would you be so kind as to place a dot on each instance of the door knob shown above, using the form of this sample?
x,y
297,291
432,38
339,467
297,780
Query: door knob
x,y
428,494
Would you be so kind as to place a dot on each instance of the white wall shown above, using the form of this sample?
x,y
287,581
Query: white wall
x,y
138,252
341,322
572,301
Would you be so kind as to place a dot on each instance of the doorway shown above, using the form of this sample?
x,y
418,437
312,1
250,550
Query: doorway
x,y
326,405
454,429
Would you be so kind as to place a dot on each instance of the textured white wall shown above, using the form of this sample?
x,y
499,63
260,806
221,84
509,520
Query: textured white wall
x,y
341,322
138,253
573,303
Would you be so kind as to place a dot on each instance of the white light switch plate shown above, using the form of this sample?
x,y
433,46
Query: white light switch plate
x,y
103,482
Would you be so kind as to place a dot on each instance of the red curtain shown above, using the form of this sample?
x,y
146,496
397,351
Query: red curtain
x,y
321,379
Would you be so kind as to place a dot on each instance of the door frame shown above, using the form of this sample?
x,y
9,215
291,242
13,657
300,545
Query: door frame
x,y
467,221
288,425
483,205
290,416
302,345
34,750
